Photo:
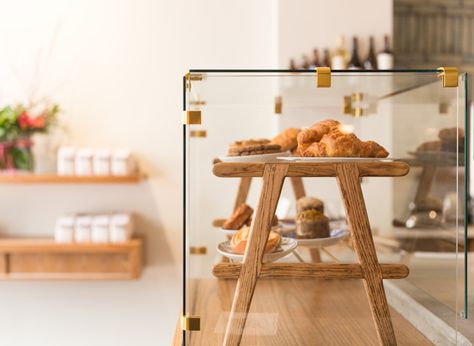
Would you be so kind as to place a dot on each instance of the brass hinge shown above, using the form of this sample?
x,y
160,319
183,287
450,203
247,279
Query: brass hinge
x,y
192,117
191,322
198,133
192,77
450,76
323,77
278,105
198,250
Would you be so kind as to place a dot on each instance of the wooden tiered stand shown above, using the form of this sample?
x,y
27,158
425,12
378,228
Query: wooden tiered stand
x,y
348,174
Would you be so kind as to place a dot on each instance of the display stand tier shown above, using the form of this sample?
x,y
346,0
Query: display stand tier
x,y
347,174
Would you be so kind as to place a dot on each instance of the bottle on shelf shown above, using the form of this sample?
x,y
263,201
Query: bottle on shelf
x,y
305,65
385,57
292,65
340,55
354,62
326,58
315,62
370,63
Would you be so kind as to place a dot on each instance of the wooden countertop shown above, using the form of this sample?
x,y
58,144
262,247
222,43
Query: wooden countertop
x,y
293,312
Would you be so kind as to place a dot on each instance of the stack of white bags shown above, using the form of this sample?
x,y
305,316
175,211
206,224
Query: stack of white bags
x,y
100,228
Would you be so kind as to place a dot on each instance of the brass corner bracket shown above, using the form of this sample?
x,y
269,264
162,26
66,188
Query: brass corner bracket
x,y
278,105
190,322
192,77
198,250
450,76
323,77
198,133
192,117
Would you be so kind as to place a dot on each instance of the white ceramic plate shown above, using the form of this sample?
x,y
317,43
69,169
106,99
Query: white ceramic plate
x,y
254,158
287,245
229,231
335,236
330,159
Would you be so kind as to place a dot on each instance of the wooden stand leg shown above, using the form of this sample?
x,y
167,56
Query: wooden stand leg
x,y
298,187
243,192
425,183
315,254
273,178
351,193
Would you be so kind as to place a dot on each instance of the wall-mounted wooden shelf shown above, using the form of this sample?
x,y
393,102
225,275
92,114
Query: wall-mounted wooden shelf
x,y
65,179
45,259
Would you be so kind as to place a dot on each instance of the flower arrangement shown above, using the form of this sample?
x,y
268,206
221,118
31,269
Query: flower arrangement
x,y
17,125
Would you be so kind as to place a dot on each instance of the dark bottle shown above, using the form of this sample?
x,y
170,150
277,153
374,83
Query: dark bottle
x,y
315,62
326,58
371,62
292,65
305,64
354,62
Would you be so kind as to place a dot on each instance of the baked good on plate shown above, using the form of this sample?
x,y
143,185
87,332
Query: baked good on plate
x,y
307,203
429,146
312,224
253,147
238,241
451,135
287,139
328,138
239,217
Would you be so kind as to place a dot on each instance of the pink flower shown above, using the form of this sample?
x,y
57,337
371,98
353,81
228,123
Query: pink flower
x,y
24,120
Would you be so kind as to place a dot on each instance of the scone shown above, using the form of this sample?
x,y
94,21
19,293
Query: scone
x,y
312,224
307,203
287,139
429,146
239,217
238,241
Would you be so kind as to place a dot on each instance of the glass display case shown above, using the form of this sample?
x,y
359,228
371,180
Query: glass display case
x,y
325,207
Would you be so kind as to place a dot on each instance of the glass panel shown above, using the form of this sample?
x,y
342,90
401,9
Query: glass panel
x,y
419,220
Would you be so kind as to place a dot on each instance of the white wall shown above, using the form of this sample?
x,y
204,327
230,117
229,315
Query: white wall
x,y
116,68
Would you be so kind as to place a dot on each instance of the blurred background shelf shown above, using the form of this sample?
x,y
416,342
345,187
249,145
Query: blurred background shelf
x,y
42,258
64,179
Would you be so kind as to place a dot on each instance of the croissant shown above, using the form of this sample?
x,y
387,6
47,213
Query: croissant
x,y
239,241
287,139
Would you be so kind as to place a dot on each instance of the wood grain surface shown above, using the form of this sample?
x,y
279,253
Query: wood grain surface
x,y
309,270
273,178
243,191
303,312
358,220
298,187
313,169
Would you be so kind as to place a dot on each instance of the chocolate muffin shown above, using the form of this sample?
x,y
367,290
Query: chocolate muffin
x,y
312,224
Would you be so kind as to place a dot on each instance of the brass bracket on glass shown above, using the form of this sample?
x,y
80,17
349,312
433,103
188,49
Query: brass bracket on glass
x,y
450,76
190,322
198,133
348,105
278,105
198,250
192,77
323,77
192,117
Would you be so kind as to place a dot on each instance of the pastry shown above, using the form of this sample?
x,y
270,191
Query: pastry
x,y
327,138
451,135
312,224
238,241
287,139
372,149
239,217
429,146
253,147
307,203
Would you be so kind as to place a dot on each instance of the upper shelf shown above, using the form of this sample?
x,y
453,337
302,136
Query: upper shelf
x,y
64,179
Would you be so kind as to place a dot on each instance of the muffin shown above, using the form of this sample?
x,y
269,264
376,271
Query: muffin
x,y
312,224
308,203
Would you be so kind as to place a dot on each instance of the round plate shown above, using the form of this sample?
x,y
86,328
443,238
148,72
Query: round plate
x,y
326,159
229,231
335,236
254,158
287,245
